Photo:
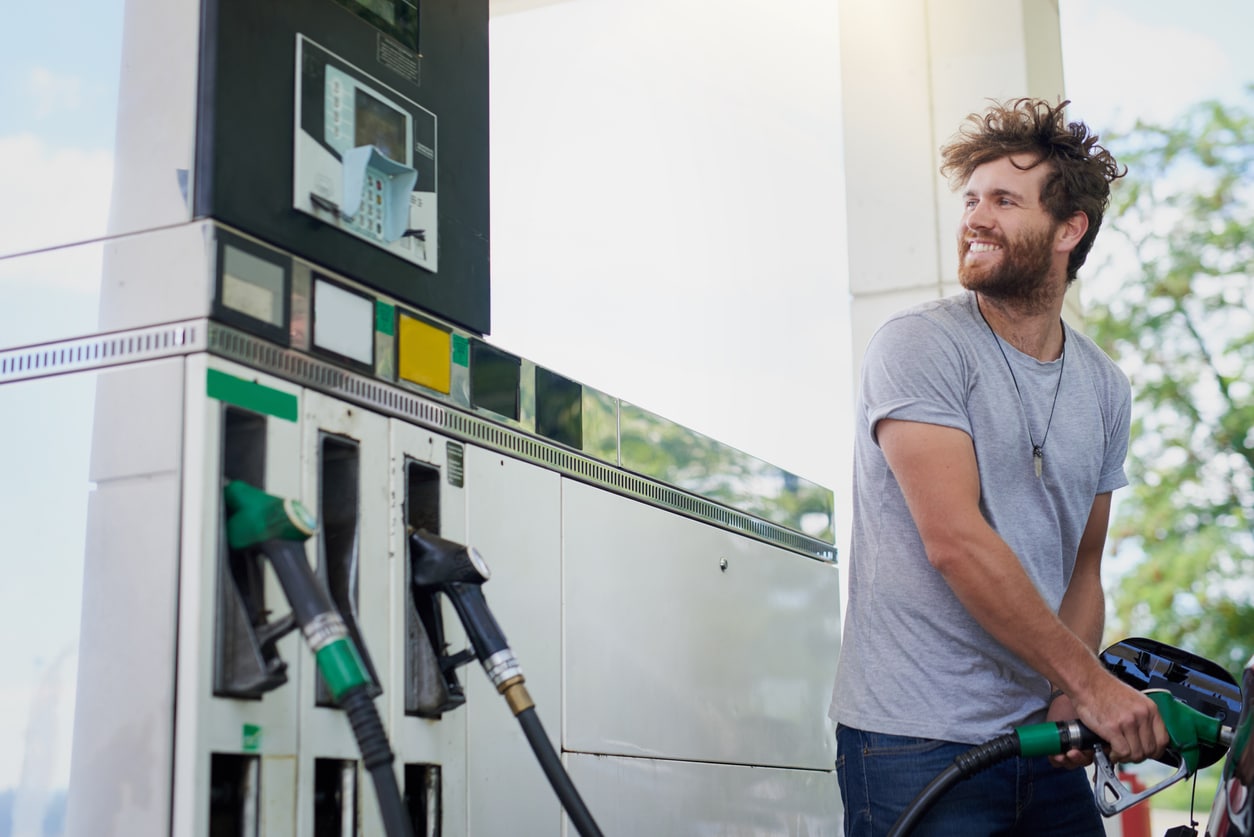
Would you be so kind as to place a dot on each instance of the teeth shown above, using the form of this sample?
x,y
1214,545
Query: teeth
x,y
981,247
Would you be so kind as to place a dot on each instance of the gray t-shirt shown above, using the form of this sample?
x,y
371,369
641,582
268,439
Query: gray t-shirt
x,y
913,662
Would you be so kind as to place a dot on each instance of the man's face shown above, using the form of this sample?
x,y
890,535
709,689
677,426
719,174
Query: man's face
x,y
1006,240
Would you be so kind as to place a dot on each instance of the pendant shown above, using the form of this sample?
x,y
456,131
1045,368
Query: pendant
x,y
1038,459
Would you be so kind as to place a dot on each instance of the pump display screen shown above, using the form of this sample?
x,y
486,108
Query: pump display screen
x,y
253,287
398,18
380,125
382,9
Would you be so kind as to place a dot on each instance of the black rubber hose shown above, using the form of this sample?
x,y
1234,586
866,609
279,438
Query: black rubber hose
x,y
965,765
376,755
927,797
565,789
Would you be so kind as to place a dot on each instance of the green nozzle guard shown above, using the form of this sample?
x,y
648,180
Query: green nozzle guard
x,y
255,516
1039,740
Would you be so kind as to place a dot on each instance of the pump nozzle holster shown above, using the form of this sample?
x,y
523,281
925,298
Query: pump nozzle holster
x,y
442,566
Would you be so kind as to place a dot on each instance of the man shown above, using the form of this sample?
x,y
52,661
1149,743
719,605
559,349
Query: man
x,y
990,436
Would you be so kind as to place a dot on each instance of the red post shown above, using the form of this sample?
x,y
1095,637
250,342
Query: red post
x,y
1135,821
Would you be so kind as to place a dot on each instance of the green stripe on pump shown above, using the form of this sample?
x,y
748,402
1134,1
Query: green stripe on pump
x,y
251,396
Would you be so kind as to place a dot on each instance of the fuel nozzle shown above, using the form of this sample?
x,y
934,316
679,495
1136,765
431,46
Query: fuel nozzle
x,y
255,516
276,528
1197,740
442,566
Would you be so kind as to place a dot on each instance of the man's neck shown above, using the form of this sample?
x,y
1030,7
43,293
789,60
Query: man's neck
x,y
1035,330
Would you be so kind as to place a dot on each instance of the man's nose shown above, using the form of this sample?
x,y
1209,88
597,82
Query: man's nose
x,y
978,216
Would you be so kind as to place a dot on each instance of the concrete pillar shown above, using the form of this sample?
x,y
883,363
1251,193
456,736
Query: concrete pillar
x,y
911,71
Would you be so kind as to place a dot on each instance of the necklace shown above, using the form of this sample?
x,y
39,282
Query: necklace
x,y
1038,451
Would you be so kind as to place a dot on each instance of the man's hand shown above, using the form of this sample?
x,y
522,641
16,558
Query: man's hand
x,y
1062,710
1125,719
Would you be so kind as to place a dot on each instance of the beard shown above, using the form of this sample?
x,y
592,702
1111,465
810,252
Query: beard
x,y
1020,276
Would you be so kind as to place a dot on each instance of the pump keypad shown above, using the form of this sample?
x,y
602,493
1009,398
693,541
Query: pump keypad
x,y
369,218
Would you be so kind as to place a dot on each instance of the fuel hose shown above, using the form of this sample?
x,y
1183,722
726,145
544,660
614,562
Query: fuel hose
x,y
1032,740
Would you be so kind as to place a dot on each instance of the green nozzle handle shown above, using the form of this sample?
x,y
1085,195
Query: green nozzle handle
x,y
1187,728
255,517
276,527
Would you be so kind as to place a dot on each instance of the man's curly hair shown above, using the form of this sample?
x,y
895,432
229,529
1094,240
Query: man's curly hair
x,y
1081,171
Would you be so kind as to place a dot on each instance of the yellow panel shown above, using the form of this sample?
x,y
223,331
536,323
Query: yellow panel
x,y
423,354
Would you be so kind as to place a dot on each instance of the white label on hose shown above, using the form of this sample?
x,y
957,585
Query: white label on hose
x,y
501,667
324,629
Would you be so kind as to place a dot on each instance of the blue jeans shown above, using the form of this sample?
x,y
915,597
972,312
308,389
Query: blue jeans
x,y
880,775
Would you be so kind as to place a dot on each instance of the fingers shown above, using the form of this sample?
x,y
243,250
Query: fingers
x,y
1072,759
1126,719
1139,732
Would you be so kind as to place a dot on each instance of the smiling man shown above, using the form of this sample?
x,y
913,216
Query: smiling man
x,y
990,436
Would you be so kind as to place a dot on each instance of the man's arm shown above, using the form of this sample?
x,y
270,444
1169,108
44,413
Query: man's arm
x,y
936,469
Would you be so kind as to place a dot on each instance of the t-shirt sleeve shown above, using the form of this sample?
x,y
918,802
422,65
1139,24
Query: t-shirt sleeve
x,y
1113,473
914,371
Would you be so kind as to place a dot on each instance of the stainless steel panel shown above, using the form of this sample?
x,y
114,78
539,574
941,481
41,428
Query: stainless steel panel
x,y
139,426
157,277
685,641
513,519
658,447
687,799
124,718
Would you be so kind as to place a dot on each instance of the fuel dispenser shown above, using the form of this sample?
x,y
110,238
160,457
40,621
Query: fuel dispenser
x,y
293,302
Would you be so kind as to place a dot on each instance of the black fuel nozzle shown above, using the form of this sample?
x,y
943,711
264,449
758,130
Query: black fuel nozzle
x,y
442,566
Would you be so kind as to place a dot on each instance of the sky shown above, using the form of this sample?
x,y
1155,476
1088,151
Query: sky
x,y
651,238
1150,59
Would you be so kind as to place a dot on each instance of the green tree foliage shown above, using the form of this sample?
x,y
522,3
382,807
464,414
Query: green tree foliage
x,y
1173,303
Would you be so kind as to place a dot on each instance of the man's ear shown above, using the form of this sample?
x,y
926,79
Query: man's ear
x,y
1071,231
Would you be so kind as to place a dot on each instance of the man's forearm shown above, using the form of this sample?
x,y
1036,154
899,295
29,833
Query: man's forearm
x,y
987,578
1083,610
